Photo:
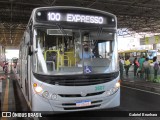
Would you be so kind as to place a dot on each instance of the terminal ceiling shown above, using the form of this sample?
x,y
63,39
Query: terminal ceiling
x,y
134,15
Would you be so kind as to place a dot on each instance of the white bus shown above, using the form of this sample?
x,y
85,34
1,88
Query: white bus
x,y
2,55
56,73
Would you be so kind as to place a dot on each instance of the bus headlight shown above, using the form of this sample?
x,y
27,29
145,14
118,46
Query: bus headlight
x,y
54,96
38,89
113,90
45,94
117,84
108,92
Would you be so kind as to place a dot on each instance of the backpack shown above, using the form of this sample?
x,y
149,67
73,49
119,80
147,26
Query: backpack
x,y
146,64
156,66
137,63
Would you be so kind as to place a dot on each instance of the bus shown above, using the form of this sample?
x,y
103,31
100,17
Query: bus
x,y
51,74
2,55
138,53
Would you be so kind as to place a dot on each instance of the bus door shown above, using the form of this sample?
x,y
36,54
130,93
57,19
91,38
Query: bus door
x,y
20,66
25,73
28,72
29,76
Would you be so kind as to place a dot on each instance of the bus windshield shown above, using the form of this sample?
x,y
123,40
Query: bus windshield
x,y
73,51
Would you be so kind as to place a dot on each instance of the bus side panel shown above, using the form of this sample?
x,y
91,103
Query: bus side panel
x,y
29,80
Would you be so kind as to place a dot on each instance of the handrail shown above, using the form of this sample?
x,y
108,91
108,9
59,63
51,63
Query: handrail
x,y
69,61
60,58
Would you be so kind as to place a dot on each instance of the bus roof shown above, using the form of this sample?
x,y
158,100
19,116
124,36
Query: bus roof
x,y
108,17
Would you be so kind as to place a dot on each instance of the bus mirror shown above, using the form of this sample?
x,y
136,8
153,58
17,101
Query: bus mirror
x,y
30,51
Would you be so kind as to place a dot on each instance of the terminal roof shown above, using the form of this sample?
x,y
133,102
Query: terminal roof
x,y
134,15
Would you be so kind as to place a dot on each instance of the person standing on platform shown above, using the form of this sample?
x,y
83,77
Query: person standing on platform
x,y
136,66
146,66
2,77
155,67
1,65
121,63
141,61
127,65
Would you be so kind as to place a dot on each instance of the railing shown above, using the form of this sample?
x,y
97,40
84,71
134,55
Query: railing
x,y
61,58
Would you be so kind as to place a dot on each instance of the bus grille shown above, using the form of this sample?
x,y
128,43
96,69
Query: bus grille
x,y
77,80
79,95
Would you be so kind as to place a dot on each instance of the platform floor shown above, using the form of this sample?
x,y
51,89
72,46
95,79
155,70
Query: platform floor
x,y
10,100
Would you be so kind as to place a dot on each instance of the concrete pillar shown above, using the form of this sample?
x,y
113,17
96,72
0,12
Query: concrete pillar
x,y
154,46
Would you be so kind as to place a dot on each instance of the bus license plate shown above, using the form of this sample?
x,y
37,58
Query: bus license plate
x,y
83,103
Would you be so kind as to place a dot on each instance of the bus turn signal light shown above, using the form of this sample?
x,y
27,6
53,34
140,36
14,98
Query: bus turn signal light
x,y
35,85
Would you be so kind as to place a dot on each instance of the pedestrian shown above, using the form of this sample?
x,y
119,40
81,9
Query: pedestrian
x,y
127,64
2,77
141,70
155,67
136,66
146,67
121,64
1,65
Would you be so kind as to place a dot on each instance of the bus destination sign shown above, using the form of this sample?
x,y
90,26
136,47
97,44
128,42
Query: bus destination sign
x,y
74,17
70,17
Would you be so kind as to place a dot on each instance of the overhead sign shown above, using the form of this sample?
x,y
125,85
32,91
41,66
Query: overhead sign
x,y
150,40
157,39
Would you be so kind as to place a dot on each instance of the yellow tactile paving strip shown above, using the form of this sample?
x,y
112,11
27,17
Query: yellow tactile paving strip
x,y
5,101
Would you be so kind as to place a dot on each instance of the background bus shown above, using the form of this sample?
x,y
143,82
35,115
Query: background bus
x,y
138,53
52,73
2,55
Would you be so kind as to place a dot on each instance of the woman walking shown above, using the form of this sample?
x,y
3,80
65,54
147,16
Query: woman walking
x,y
136,66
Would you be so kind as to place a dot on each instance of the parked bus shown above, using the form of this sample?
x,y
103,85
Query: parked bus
x,y
52,73
2,56
2,53
138,53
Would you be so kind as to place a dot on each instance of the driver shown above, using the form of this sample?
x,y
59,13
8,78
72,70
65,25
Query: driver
x,y
86,51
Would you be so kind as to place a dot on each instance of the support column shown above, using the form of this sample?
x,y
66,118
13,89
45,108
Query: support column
x,y
154,46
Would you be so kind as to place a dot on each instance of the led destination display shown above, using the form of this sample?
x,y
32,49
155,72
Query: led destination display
x,y
75,16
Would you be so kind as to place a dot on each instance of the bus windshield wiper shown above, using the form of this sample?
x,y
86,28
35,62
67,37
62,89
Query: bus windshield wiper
x,y
62,31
